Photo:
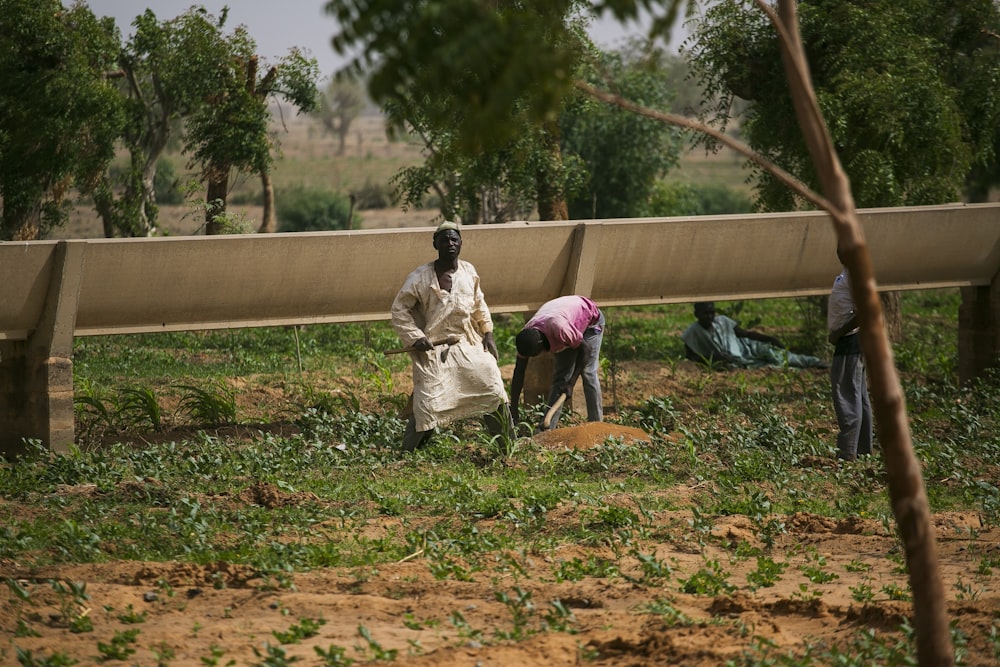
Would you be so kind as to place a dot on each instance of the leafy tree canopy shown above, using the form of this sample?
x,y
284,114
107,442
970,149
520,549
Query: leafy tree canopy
x,y
909,90
59,112
624,154
496,56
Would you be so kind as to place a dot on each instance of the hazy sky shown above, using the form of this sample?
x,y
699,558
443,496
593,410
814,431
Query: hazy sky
x,y
278,26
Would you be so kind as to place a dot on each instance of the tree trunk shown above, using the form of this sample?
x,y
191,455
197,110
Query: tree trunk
x,y
104,203
18,224
215,200
893,312
342,131
551,199
268,218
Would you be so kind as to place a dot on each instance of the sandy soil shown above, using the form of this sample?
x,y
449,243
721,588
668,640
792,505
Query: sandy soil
x,y
405,608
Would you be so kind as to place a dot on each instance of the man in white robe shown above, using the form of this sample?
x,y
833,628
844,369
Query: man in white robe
x,y
438,300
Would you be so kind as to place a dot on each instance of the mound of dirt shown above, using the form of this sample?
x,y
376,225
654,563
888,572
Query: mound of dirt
x,y
589,435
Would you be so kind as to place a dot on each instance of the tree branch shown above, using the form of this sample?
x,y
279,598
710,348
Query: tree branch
x,y
788,179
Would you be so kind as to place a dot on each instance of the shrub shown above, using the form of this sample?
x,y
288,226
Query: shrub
x,y
673,199
166,184
374,195
303,209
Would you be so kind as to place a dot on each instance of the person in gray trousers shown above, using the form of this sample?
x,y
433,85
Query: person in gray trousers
x,y
848,382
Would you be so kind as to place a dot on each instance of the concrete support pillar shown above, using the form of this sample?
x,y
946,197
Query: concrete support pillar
x,y
36,375
978,331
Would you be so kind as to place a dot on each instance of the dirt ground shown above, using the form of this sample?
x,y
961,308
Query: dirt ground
x,y
407,609
219,614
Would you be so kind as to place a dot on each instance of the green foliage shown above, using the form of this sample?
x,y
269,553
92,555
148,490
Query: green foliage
x,y
709,580
484,59
59,113
273,656
375,648
187,79
334,656
900,86
305,209
305,628
373,195
767,574
55,659
215,404
499,123
624,154
120,647
673,198
165,184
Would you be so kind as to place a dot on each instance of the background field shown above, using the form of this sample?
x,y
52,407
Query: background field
x,y
308,157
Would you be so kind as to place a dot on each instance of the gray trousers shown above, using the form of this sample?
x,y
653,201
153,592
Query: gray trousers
x,y
586,360
849,388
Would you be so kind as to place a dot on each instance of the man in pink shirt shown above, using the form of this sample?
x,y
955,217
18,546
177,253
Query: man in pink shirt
x,y
571,328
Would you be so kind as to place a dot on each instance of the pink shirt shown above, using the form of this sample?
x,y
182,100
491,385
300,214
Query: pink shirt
x,y
563,321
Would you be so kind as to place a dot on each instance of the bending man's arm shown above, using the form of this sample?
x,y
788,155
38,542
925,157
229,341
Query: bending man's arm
x,y
516,385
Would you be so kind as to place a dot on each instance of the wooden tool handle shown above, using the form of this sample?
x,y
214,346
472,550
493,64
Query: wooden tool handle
x,y
546,422
450,340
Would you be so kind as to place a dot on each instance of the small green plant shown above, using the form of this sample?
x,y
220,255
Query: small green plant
x,y
334,656
966,591
594,566
994,639
559,618
670,614
815,570
120,647
896,592
22,597
140,407
73,611
273,656
767,574
521,609
376,649
94,413
653,569
215,404
858,566
55,659
702,523
214,656
410,621
862,593
306,627
163,652
710,580
465,630
130,616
